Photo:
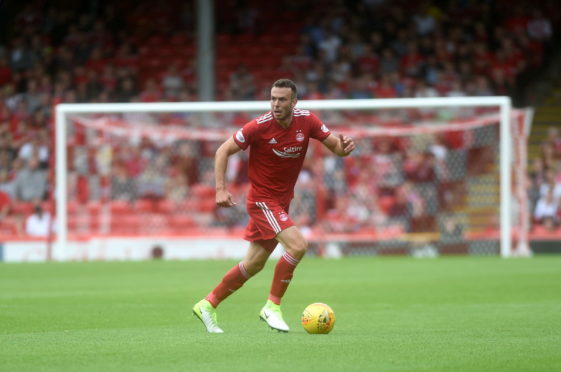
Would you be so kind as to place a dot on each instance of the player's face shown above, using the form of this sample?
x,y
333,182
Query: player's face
x,y
282,103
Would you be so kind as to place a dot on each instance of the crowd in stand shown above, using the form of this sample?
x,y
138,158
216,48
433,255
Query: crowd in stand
x,y
350,49
545,183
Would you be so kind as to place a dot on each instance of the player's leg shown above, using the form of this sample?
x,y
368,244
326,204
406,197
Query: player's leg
x,y
256,257
234,279
295,246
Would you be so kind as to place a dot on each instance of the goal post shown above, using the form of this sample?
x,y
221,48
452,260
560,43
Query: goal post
x,y
64,112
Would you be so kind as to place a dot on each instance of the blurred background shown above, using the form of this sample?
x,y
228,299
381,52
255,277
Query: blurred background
x,y
99,51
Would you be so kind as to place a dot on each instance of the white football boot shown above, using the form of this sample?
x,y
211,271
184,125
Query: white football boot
x,y
272,314
207,315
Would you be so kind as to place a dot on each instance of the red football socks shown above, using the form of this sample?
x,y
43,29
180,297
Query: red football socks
x,y
281,279
230,283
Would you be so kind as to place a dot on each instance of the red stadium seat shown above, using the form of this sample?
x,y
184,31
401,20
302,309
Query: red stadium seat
x,y
94,207
207,205
146,205
155,40
11,226
180,40
201,191
126,224
22,208
120,207
72,207
179,222
166,206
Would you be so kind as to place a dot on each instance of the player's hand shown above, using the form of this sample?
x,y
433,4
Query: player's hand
x,y
224,199
347,144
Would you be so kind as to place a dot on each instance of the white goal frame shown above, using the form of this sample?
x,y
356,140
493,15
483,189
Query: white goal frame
x,y
502,102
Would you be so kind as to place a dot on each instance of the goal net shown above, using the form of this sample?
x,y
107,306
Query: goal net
x,y
429,176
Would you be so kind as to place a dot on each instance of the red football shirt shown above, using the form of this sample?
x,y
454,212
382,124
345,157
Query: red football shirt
x,y
277,154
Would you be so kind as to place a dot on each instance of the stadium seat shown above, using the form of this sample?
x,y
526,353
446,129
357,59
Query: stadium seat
x,y
22,208
179,222
10,226
72,207
146,205
166,206
179,40
120,207
202,191
206,205
94,207
127,224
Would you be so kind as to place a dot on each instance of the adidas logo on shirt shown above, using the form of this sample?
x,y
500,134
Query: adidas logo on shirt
x,y
273,141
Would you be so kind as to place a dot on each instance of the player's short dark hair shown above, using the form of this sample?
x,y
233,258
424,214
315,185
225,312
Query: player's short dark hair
x,y
286,83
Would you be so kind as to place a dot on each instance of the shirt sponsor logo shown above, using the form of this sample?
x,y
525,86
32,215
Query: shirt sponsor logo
x,y
289,152
239,136
292,149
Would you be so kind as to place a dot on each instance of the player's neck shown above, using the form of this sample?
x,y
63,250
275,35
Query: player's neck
x,y
286,122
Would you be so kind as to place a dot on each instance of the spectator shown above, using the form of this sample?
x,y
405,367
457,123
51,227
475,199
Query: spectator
x,y
482,87
122,186
151,92
21,58
5,204
419,167
424,22
40,223
172,82
554,138
330,44
539,27
388,63
126,90
176,188
187,163
546,207
242,84
7,186
153,179
551,184
5,72
36,146
450,229
384,89
31,181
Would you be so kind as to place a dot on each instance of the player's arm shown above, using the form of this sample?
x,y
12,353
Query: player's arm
x,y
227,149
339,145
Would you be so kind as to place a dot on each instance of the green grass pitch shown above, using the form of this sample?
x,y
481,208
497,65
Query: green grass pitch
x,y
393,314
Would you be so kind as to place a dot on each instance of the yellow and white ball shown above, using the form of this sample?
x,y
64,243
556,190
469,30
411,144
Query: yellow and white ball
x,y
318,318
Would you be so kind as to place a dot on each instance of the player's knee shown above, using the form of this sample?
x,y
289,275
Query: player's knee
x,y
254,268
298,249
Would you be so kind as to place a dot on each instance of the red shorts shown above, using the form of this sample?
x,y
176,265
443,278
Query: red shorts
x,y
266,220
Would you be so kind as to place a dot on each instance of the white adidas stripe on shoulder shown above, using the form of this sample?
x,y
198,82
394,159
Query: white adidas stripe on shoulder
x,y
298,112
264,118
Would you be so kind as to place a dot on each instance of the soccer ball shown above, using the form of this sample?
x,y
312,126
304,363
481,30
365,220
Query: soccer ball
x,y
318,318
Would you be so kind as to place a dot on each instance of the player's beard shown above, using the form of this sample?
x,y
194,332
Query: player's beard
x,y
283,114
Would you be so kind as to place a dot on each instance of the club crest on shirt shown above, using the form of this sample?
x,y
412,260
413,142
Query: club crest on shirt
x,y
239,136
283,216
300,136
